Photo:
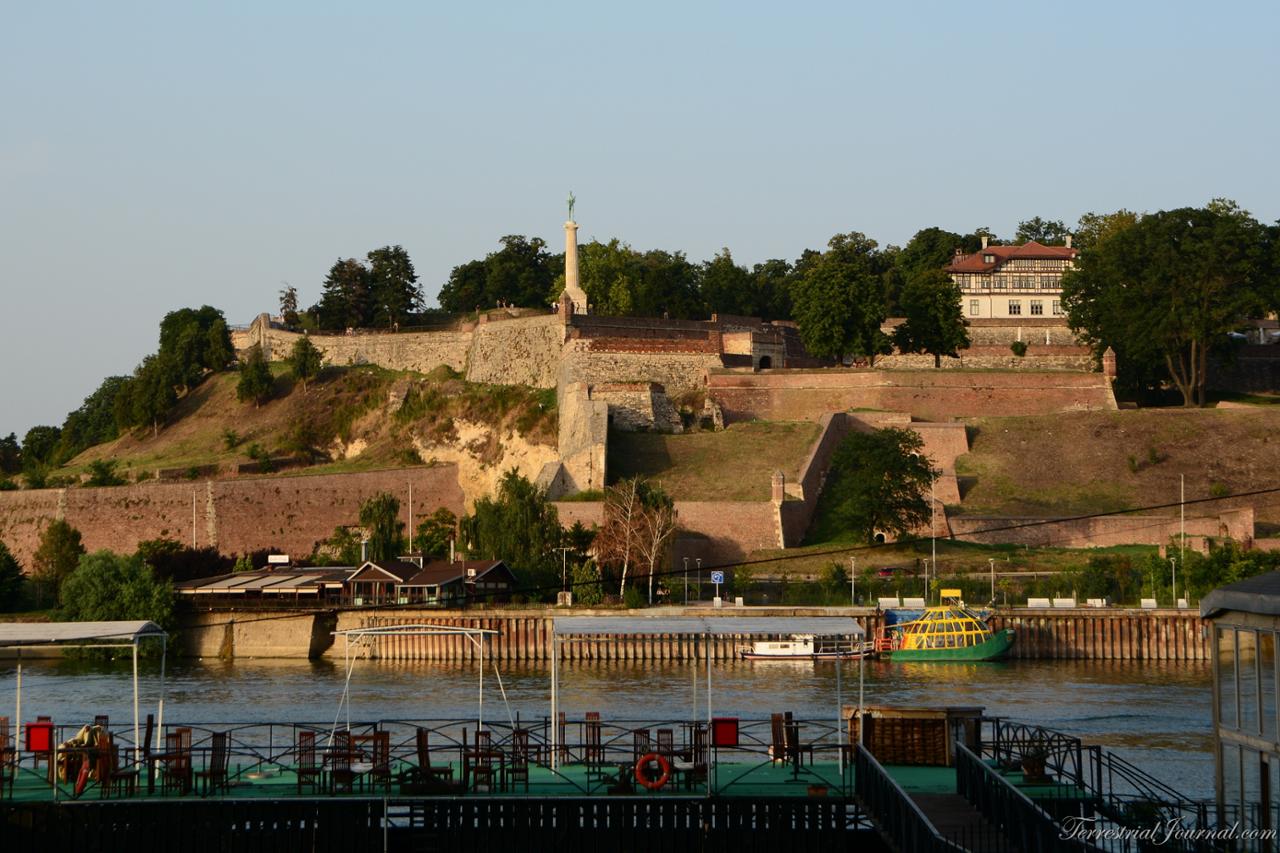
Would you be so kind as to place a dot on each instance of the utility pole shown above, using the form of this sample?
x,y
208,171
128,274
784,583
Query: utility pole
x,y
686,581
993,578
933,536
698,560
1182,510
1174,561
853,581
193,518
564,567
411,518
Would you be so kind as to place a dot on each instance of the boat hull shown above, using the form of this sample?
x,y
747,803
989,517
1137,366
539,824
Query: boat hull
x,y
747,655
993,648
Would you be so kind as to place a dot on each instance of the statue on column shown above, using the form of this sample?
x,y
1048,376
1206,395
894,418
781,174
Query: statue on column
x,y
571,203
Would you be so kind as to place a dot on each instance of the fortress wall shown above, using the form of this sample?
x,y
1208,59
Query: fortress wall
x,y
523,351
236,516
930,394
1038,357
1104,532
418,351
583,437
678,372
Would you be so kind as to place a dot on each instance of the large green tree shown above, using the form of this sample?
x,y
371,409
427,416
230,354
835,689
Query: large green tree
x,y
194,341
108,587
772,282
39,449
435,532
256,381
934,321
380,518
346,301
394,285
56,557
149,395
10,454
94,422
521,273
1165,291
519,525
304,361
878,483
839,301
728,288
1094,228
1047,232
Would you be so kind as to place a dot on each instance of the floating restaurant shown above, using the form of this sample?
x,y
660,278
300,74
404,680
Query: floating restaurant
x,y
867,775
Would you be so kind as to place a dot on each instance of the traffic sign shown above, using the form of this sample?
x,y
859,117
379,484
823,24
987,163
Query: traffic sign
x,y
717,577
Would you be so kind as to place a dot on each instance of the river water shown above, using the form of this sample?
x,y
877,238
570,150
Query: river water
x,y
1157,715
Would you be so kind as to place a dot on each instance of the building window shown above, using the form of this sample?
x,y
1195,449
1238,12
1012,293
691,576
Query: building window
x,y
988,259
1015,307
1037,307
1057,307
973,308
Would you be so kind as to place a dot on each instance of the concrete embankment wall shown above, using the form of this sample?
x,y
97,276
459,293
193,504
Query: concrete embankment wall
x,y
525,635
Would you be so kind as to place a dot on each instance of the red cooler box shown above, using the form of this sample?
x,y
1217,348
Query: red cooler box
x,y
724,731
39,737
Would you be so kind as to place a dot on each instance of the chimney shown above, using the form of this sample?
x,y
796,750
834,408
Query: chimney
x,y
985,237
1068,241
778,487
450,550
364,551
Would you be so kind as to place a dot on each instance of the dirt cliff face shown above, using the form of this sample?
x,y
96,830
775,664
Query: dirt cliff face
x,y
483,453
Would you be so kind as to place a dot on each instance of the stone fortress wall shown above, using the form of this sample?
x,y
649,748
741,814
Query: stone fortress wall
x,y
235,516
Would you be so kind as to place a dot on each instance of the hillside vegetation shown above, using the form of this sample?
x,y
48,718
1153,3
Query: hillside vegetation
x,y
350,418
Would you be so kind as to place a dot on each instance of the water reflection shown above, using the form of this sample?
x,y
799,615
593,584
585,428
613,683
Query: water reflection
x,y
1155,714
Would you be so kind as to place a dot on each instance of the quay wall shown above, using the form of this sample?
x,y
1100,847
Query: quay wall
x,y
525,634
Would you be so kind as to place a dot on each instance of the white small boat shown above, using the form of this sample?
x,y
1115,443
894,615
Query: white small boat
x,y
808,647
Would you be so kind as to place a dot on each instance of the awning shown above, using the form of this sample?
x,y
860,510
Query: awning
x,y
51,633
716,626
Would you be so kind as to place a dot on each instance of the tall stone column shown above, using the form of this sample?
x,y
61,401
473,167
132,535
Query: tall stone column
x,y
571,286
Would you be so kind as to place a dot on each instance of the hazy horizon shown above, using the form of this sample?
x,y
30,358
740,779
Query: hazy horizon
x,y
156,157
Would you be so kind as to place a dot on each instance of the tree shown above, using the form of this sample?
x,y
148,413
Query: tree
x,y
102,472
256,381
289,305
1043,231
106,586
380,518
772,281
10,454
465,289
148,397
173,561
520,526
194,341
727,288
1094,228
56,557
304,361
638,525
11,580
347,299
934,321
39,445
840,302
1166,290
394,285
434,534
522,272
94,422
878,483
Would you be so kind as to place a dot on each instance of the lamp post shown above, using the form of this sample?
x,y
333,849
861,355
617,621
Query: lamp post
x,y
993,578
564,567
686,581
853,581
1174,562
698,560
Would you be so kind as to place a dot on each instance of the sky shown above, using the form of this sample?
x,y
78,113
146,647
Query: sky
x,y
164,155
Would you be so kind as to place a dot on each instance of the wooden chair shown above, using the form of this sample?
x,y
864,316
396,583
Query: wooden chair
x,y
795,750
518,760
777,739
101,721
8,758
380,772
641,745
341,777
482,769
110,776
214,774
593,748
425,767
694,768
666,743
309,771
175,768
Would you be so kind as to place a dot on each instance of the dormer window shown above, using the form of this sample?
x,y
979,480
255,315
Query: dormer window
x,y
988,259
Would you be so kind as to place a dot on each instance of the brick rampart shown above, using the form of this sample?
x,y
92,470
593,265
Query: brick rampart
x,y
930,394
1103,532
236,516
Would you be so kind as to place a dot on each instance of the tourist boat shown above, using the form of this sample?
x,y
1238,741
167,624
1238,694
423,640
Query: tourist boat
x,y
808,647
946,632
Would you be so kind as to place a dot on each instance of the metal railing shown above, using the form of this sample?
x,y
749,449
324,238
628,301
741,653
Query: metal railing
x,y
896,814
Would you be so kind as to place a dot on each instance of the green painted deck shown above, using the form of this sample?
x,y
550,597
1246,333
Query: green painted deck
x,y
728,779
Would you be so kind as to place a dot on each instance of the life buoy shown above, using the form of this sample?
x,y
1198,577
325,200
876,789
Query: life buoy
x,y
663,765
83,778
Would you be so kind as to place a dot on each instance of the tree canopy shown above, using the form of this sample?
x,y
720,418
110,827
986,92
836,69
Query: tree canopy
x,y
56,557
638,527
193,341
11,580
840,300
304,361
521,273
519,525
380,518
106,586
878,483
934,321
435,532
394,286
1044,231
256,382
1165,291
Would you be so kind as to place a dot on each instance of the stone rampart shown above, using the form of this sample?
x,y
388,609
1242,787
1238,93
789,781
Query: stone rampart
x,y
678,372
583,440
1102,532
1073,358
417,351
929,394
235,516
517,352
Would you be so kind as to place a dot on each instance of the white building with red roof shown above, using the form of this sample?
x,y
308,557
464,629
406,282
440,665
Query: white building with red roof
x,y
1013,282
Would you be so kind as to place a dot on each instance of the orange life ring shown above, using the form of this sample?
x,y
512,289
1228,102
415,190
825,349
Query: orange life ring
x,y
82,779
663,764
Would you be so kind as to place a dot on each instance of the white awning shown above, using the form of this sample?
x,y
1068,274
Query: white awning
x,y
52,633
717,626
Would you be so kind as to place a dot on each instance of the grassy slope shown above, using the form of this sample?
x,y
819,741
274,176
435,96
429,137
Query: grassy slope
x,y
733,465
349,403
1095,461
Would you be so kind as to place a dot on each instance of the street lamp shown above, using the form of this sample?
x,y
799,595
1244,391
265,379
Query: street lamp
x,y
1174,562
698,560
686,581
853,581
993,579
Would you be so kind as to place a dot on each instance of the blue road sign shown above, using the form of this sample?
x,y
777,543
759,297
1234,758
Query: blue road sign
x,y
717,577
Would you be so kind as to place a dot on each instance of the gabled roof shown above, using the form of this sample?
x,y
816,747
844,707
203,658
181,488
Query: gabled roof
x,y
1001,254
393,570
441,572
267,580
47,633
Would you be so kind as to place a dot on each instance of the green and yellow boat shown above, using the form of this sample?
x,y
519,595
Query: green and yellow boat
x,y
946,632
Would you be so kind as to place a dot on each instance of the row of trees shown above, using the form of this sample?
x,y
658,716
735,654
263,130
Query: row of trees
x,y
381,290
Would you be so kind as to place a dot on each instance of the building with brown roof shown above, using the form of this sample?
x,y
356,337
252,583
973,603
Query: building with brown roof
x,y
1012,282
446,583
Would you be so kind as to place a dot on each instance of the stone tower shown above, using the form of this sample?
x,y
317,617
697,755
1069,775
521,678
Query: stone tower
x,y
571,287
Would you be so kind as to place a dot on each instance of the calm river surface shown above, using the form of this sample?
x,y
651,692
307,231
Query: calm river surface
x,y
1157,715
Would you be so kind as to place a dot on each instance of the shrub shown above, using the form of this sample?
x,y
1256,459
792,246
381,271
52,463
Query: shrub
x,y
1219,490
106,586
1019,348
231,439
102,472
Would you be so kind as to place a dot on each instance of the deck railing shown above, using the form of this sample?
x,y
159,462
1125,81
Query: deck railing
x,y
897,816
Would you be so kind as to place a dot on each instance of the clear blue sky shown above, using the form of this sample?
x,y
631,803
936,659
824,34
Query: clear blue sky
x,y
155,156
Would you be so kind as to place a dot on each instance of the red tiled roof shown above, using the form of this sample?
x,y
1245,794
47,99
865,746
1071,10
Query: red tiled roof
x,y
1001,254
